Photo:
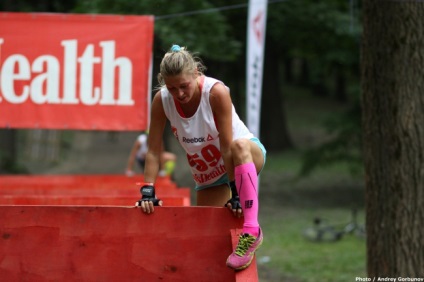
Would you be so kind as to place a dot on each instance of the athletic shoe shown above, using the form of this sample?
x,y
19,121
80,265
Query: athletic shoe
x,y
245,250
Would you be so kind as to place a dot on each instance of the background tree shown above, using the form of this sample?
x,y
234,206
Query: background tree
x,y
393,119
323,36
318,48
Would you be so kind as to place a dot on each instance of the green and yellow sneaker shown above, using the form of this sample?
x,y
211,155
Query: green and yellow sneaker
x,y
242,256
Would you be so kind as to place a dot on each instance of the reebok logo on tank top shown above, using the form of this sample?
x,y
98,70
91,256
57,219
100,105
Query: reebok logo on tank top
x,y
197,139
194,140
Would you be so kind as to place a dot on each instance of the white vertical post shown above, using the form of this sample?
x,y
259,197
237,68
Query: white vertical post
x,y
256,31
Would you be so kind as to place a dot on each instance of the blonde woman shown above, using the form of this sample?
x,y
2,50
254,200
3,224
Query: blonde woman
x,y
224,156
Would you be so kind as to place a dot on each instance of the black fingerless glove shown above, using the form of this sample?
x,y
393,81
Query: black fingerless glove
x,y
148,194
235,199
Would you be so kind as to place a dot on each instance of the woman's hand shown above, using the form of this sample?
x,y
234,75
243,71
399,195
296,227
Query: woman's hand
x,y
234,205
148,199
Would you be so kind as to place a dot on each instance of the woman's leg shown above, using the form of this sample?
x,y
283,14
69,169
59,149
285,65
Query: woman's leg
x,y
246,151
215,196
167,163
248,161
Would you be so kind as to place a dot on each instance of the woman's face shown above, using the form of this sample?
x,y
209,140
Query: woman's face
x,y
182,87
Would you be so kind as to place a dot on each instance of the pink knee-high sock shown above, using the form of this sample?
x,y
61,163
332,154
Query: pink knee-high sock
x,y
247,183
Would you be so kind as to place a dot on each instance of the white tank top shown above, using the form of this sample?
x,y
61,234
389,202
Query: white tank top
x,y
142,151
198,134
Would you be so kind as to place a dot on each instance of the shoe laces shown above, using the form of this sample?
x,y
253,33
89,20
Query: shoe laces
x,y
245,241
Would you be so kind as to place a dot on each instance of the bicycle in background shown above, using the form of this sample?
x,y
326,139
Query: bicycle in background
x,y
321,231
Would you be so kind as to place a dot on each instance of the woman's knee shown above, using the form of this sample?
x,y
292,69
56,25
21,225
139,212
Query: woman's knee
x,y
240,150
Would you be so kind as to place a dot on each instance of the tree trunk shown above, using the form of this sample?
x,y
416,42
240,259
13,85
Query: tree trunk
x,y
274,130
393,120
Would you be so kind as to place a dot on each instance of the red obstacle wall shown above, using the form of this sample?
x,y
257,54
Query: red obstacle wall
x,y
60,243
71,228
109,183
111,190
86,200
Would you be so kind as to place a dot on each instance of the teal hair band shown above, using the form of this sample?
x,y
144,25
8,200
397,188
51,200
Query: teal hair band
x,y
175,48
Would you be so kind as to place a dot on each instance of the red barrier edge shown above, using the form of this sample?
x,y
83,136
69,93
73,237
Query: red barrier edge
x,y
93,190
58,243
86,200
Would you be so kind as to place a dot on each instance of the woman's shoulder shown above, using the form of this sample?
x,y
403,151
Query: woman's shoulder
x,y
157,97
211,80
214,85
219,95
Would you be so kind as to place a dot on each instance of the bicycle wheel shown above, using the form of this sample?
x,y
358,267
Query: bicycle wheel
x,y
322,234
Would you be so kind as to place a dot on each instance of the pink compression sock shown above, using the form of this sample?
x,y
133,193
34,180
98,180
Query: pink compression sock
x,y
247,183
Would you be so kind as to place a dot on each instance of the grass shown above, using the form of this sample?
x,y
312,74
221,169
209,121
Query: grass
x,y
288,207
306,261
289,203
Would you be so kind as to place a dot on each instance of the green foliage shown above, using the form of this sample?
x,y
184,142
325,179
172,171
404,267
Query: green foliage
x,y
322,33
57,6
209,34
316,30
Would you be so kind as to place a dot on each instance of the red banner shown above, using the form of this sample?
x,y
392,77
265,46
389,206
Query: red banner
x,y
62,71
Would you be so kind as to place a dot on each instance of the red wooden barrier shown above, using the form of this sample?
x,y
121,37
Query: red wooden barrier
x,y
82,179
87,200
83,182
61,243
90,185
69,242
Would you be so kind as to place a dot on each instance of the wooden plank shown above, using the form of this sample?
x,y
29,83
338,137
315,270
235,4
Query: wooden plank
x,y
83,181
112,185
87,200
62,243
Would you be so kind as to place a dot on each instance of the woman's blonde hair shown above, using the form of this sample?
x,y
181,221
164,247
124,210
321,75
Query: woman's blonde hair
x,y
179,60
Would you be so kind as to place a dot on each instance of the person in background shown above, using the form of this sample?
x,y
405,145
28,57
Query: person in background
x,y
224,156
138,153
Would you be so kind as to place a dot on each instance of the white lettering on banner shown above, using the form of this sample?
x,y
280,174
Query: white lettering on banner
x,y
40,79
108,76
